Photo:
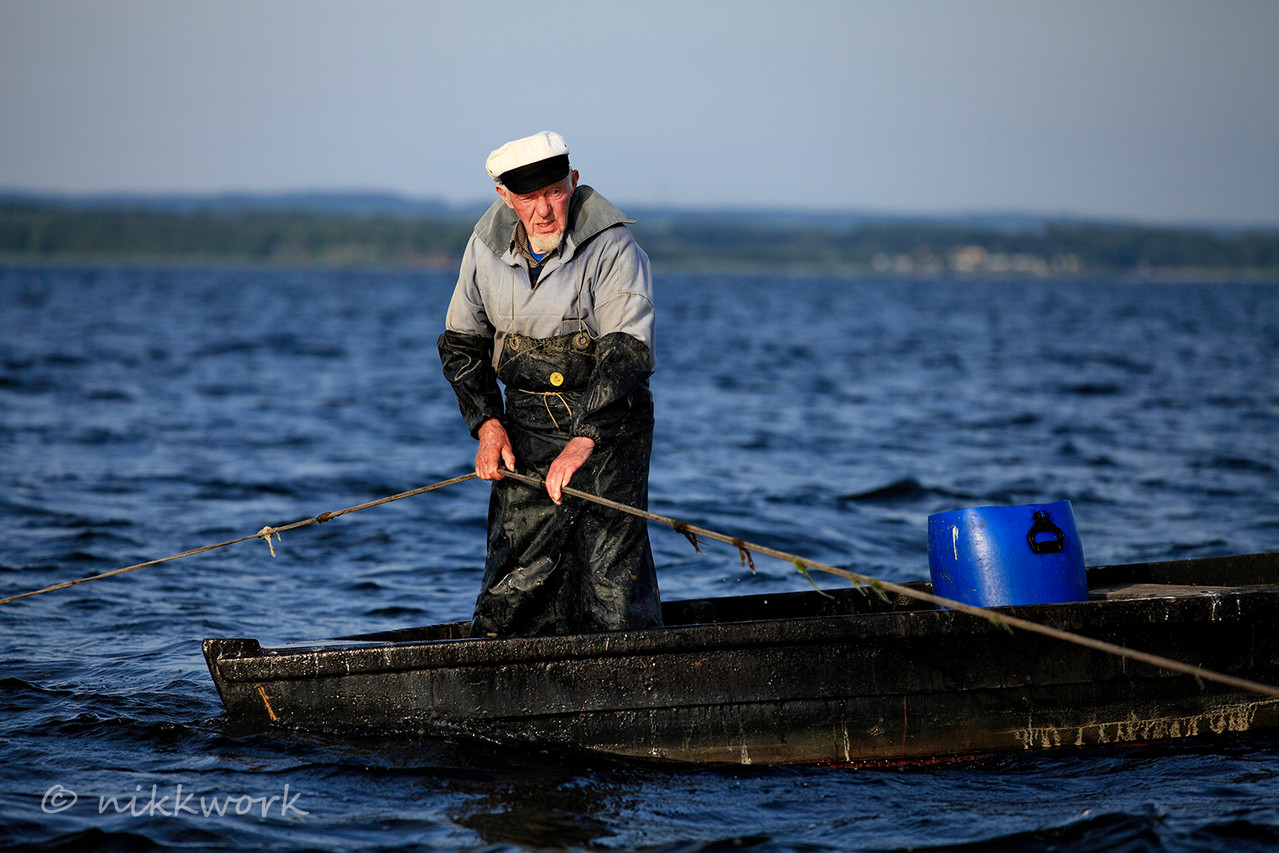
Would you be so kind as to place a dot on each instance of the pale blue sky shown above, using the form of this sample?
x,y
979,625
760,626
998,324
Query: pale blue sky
x,y
1161,111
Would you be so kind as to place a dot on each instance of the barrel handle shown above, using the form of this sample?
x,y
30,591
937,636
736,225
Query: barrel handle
x,y
1043,524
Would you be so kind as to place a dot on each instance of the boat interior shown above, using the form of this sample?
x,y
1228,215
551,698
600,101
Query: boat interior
x,y
1134,580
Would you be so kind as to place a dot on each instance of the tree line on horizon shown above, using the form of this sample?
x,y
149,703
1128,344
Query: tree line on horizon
x,y
34,232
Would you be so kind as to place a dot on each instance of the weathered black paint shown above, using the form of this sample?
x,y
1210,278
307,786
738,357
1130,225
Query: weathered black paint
x,y
801,678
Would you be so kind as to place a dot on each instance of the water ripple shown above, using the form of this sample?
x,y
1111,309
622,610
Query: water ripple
x,y
823,417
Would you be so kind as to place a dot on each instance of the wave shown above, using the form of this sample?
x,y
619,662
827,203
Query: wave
x,y
906,489
25,833
1108,832
1241,464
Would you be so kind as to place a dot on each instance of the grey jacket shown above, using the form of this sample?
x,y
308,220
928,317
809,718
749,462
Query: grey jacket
x,y
599,281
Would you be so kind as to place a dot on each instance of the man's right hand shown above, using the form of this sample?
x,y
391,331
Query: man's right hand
x,y
495,450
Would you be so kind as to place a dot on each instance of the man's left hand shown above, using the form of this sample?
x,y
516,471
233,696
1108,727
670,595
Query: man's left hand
x,y
572,457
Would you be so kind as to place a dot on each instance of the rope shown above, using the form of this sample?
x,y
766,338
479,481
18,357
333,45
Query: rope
x,y
882,587
546,400
265,533
691,533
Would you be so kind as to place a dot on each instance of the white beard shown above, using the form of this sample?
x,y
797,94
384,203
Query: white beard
x,y
548,243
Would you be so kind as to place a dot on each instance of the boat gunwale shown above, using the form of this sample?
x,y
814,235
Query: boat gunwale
x,y
1099,617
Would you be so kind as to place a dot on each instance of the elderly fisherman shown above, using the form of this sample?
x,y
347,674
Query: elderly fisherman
x,y
555,301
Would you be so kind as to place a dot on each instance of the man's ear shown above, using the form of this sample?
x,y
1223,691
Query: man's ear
x,y
504,195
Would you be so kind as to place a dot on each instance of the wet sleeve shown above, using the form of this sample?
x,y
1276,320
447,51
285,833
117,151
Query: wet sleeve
x,y
468,366
621,366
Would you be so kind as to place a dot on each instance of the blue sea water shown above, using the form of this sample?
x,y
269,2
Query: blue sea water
x,y
145,411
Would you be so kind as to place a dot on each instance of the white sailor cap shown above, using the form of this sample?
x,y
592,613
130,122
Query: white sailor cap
x,y
524,165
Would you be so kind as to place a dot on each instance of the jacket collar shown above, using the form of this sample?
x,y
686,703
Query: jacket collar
x,y
588,215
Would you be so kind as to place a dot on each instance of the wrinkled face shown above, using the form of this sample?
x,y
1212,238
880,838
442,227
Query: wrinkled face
x,y
544,211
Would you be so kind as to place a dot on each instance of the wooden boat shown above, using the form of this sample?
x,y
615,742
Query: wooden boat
x,y
841,677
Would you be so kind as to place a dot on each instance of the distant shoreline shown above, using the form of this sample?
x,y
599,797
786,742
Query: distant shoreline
x,y
35,231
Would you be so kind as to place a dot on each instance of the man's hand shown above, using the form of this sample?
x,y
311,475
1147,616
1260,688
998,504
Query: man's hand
x,y
495,449
572,457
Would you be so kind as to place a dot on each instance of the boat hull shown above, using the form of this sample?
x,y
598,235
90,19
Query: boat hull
x,y
794,678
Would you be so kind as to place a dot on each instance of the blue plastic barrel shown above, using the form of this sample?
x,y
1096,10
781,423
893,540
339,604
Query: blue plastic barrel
x,y
999,555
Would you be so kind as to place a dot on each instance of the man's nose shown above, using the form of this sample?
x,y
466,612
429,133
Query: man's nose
x,y
544,208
